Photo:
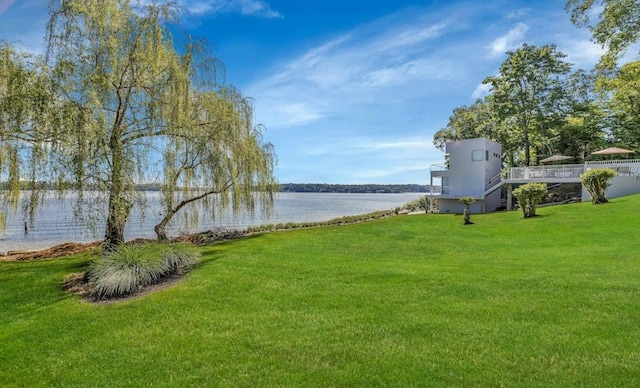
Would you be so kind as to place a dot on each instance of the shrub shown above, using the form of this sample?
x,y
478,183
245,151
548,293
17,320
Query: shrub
x,y
419,204
467,202
529,195
125,271
596,182
312,224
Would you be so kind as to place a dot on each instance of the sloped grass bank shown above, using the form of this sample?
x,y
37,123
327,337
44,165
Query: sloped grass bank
x,y
417,300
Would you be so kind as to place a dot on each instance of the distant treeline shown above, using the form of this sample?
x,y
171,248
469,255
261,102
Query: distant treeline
x,y
68,186
333,188
286,187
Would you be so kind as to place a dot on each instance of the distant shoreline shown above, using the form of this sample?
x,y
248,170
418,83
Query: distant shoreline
x,y
373,188
360,189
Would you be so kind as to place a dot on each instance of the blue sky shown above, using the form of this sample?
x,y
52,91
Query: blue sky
x,y
352,91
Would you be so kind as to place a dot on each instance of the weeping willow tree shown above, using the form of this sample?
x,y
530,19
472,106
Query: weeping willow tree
x,y
27,109
222,162
132,109
14,77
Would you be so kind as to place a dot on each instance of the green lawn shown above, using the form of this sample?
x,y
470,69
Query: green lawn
x,y
407,301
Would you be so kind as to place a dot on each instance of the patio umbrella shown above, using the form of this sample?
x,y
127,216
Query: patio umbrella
x,y
555,158
612,151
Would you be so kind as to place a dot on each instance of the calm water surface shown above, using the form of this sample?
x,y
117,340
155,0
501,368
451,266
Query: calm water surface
x,y
55,223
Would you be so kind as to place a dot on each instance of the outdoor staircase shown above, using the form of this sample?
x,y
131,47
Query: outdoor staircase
x,y
493,184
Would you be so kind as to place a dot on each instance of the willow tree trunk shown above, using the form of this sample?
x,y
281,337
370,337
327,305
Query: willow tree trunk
x,y
116,221
119,209
119,206
160,229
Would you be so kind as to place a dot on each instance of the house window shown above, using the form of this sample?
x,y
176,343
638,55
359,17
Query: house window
x,y
477,155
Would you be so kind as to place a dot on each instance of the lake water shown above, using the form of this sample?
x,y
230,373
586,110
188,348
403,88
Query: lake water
x,y
55,223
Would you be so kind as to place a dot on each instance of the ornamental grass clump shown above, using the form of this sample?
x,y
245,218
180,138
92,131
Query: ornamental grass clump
x,y
596,182
529,196
131,267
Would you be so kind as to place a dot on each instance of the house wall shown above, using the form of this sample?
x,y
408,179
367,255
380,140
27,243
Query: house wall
x,y
472,162
620,186
453,206
493,201
466,177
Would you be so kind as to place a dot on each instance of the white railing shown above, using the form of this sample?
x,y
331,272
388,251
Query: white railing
x,y
572,172
493,181
558,172
615,162
628,167
455,192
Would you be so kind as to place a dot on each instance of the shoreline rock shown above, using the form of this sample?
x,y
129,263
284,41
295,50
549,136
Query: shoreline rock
x,y
65,249
71,248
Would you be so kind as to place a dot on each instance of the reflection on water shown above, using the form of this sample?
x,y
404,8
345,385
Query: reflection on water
x,y
55,223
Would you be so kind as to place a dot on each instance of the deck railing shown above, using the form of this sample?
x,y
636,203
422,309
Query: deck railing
x,y
455,192
439,167
615,162
560,172
493,181
623,167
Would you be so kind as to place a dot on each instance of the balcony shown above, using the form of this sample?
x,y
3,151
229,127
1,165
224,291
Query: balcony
x,y
455,192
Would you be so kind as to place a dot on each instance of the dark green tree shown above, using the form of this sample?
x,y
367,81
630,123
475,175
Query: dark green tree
x,y
616,28
528,94
582,130
622,94
478,120
466,122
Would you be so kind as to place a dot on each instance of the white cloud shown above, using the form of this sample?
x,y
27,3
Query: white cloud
x,y
296,114
582,53
318,151
362,105
517,14
632,54
244,7
4,5
258,8
510,40
422,69
395,145
402,37
23,23
481,91
363,66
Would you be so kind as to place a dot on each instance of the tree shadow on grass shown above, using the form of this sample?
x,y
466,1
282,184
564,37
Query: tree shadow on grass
x,y
213,251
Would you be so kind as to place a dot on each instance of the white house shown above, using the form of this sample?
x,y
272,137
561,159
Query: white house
x,y
474,170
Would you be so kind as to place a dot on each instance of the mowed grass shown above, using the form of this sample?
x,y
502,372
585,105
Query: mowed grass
x,y
408,301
